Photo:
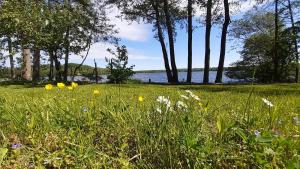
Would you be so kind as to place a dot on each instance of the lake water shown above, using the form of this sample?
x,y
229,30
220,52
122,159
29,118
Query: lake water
x,y
197,77
161,77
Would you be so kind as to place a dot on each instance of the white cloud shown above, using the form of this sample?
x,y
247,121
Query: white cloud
x,y
138,54
98,51
246,5
131,31
134,31
236,7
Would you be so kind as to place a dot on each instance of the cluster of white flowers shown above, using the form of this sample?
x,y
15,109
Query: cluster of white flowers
x,y
164,100
184,97
49,161
159,110
269,151
267,102
181,105
192,95
297,121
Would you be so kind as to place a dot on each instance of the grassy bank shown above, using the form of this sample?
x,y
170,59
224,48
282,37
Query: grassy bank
x,y
130,126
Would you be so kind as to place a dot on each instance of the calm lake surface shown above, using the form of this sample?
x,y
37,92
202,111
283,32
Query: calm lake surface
x,y
197,77
161,77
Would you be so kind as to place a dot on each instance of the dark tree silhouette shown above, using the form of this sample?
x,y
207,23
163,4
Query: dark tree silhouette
x,y
155,4
190,41
171,40
207,41
294,40
223,43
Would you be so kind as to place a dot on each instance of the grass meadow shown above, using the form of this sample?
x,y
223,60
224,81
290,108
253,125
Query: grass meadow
x,y
150,126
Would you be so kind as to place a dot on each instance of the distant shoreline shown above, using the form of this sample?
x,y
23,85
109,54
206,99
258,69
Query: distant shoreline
x,y
180,70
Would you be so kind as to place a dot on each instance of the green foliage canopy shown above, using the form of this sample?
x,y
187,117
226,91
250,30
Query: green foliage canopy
x,y
119,71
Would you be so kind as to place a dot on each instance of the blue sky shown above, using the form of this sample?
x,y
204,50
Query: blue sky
x,y
152,48
145,51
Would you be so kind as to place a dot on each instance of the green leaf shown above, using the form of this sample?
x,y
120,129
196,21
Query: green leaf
x,y
264,139
240,132
90,152
124,162
3,152
32,123
219,124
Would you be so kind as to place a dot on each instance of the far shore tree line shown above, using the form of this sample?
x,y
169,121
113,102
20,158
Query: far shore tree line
x,y
268,35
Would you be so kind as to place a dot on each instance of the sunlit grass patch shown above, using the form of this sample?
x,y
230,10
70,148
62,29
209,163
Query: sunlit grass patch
x,y
150,126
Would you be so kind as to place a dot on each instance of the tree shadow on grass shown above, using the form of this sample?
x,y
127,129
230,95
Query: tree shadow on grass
x,y
17,84
29,84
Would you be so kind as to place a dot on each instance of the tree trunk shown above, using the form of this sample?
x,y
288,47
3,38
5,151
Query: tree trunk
x,y
207,42
51,66
57,68
276,59
162,42
11,59
96,72
66,66
67,45
171,41
82,62
294,41
36,65
190,41
223,43
26,73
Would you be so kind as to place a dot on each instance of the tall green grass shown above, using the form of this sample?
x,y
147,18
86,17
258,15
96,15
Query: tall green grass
x,y
229,127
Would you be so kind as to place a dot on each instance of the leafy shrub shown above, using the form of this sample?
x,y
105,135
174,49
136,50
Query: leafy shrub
x,y
119,72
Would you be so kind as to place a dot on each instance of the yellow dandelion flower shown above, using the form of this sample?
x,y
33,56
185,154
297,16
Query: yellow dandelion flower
x,y
96,92
141,99
48,86
74,85
70,88
61,85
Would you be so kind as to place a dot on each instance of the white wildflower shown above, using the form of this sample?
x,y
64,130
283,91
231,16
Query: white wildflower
x,y
47,22
85,109
46,162
192,95
181,105
168,103
279,121
297,121
269,151
195,97
158,110
267,102
188,91
276,133
184,97
164,100
256,133
160,99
